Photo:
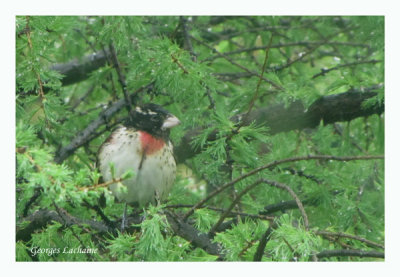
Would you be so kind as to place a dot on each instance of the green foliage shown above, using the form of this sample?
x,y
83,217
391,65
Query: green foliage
x,y
240,238
121,247
299,244
152,246
208,84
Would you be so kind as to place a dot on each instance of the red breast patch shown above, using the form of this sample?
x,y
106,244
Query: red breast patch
x,y
149,143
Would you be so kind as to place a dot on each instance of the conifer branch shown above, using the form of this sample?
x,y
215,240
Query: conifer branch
x,y
327,70
86,134
250,187
350,253
333,108
348,236
274,164
236,64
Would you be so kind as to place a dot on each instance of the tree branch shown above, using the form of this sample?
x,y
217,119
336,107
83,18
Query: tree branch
x,y
272,165
250,187
238,65
324,71
193,235
79,69
289,44
263,243
85,135
42,217
332,108
350,253
344,235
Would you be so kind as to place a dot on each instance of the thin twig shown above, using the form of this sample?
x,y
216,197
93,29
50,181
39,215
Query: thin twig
x,y
296,198
102,185
82,98
226,36
255,96
248,188
61,214
175,60
232,213
88,133
100,212
344,235
310,50
326,70
211,99
234,202
281,45
121,79
249,244
186,36
273,164
236,64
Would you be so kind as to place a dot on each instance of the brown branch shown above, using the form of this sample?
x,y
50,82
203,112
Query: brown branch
x,y
263,242
234,202
64,215
102,185
232,213
37,192
289,44
288,205
255,96
271,183
78,70
85,135
249,244
194,236
296,198
235,131
310,51
42,217
324,71
229,33
272,165
250,187
344,235
175,60
350,253
340,107
238,65
121,79
332,108
188,43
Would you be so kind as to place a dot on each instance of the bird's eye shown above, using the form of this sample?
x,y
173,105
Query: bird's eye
x,y
153,118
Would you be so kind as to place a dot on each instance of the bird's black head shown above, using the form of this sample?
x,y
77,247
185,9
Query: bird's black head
x,y
153,119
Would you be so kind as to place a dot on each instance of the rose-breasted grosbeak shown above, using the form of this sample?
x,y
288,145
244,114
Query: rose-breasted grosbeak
x,y
143,146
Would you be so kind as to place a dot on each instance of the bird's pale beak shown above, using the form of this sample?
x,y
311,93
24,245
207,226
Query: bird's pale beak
x,y
170,122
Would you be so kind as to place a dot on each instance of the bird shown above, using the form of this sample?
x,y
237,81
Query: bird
x,y
141,145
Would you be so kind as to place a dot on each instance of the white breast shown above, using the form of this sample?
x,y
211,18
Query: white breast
x,y
152,181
